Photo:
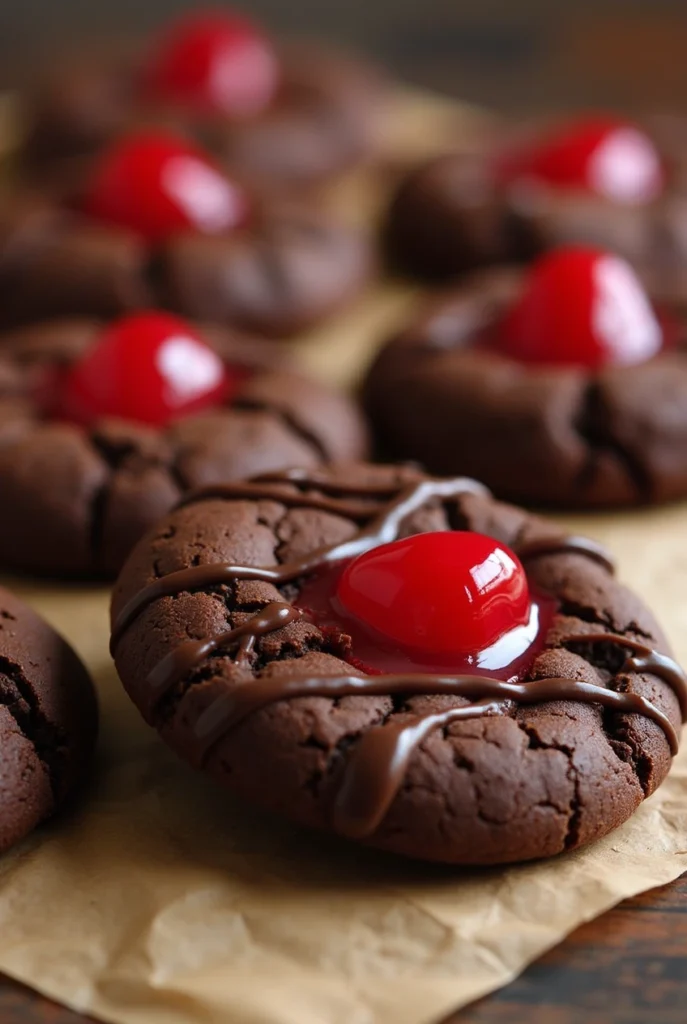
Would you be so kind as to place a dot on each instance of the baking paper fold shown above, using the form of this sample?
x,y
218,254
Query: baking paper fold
x,y
160,898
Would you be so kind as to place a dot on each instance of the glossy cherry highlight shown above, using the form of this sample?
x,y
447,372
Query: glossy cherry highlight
x,y
610,158
448,595
158,184
150,368
219,62
581,307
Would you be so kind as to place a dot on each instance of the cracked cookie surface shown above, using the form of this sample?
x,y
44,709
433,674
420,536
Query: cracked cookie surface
x,y
532,781
48,720
75,501
552,436
287,270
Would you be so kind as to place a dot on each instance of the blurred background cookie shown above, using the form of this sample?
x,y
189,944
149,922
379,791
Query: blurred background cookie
x,y
103,427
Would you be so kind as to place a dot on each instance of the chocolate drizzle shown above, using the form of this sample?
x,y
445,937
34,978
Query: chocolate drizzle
x,y
379,760
377,764
188,656
383,528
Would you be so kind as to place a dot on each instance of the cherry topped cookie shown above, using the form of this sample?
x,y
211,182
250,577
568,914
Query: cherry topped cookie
x,y
48,721
561,384
596,181
156,224
283,116
104,426
399,659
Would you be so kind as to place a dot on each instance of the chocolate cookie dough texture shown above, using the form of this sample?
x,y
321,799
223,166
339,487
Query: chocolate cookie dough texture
x,y
76,499
567,435
48,721
518,197
465,770
288,269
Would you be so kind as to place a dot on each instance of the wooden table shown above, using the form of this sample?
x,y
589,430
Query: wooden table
x,y
627,967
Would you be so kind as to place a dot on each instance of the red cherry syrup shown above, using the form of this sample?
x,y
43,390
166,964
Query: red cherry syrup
x,y
447,602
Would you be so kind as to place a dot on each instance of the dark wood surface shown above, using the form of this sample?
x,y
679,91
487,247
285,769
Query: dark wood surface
x,y
627,967
518,54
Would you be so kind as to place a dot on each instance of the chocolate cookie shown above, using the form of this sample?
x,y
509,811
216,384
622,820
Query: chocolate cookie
x,y
76,499
329,117
220,639
326,116
48,720
562,435
459,212
448,216
287,270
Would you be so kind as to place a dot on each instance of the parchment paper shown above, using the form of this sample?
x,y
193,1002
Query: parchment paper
x,y
158,898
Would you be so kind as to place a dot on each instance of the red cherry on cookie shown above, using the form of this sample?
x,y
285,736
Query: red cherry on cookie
x,y
157,185
447,594
581,307
218,62
610,158
148,367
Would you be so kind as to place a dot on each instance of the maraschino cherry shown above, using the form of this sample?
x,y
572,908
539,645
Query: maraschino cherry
x,y
449,601
158,184
613,159
581,307
148,367
218,62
